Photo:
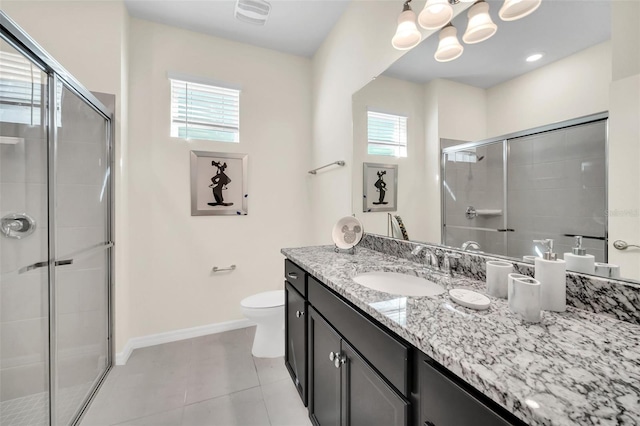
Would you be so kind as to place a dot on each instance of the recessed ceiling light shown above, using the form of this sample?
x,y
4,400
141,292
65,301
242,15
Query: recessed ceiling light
x,y
534,57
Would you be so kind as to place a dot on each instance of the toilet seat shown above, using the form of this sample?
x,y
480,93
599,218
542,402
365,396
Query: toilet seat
x,y
267,299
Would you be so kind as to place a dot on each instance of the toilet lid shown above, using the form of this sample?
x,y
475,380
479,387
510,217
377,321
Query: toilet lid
x,y
268,299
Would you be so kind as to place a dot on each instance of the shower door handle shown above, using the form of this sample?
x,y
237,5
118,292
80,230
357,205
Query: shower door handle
x,y
81,253
33,266
43,264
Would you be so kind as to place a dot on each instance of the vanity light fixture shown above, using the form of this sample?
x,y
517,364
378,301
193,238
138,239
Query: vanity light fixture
x,y
436,14
407,35
516,9
534,57
449,47
480,26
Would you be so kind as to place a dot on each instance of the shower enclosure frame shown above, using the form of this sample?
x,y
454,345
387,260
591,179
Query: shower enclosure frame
x,y
505,152
12,34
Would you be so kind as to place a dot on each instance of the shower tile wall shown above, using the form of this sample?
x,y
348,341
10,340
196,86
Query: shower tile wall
x,y
23,297
556,185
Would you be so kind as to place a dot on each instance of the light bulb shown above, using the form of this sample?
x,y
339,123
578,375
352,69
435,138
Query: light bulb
x,y
480,26
436,14
407,35
516,9
449,47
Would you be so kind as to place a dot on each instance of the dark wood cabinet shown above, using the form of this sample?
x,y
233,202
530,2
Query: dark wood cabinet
x,y
352,371
344,389
446,401
367,399
324,376
295,353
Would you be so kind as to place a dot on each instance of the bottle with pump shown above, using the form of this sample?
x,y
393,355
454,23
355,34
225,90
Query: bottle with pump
x,y
578,260
551,272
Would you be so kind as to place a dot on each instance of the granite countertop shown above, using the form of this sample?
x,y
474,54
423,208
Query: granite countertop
x,y
572,368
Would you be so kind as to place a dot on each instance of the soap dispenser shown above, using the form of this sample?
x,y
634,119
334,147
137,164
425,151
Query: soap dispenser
x,y
578,260
551,272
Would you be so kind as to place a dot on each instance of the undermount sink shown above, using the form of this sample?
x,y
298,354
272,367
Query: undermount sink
x,y
396,283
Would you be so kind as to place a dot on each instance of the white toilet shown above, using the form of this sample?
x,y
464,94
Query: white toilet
x,y
267,311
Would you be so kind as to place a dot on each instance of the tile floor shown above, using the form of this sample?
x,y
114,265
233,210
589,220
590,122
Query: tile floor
x,y
207,381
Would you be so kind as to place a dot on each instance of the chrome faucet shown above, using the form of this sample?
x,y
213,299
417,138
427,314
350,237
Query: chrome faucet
x,y
470,245
432,257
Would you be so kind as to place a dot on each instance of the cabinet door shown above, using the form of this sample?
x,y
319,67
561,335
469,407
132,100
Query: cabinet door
x,y
443,402
368,400
324,377
295,354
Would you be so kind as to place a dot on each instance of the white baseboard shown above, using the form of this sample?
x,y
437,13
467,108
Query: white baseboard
x,y
174,336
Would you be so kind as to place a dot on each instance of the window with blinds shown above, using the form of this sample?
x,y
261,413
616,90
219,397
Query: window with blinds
x,y
21,90
201,111
387,134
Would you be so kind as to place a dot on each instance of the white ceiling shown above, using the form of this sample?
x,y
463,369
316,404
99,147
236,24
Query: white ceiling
x,y
558,28
298,27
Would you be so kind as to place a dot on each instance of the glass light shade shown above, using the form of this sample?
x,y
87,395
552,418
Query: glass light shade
x,y
449,47
480,26
436,14
407,34
516,9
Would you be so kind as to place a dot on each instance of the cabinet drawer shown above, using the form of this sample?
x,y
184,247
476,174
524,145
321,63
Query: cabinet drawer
x,y
384,352
296,277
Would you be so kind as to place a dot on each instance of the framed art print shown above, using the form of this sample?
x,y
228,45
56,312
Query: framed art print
x,y
380,187
218,183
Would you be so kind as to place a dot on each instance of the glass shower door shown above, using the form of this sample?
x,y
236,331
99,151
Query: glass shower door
x,y
557,189
82,250
473,197
24,295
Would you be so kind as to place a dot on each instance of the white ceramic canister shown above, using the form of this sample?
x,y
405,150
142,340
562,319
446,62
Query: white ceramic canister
x,y
497,278
524,297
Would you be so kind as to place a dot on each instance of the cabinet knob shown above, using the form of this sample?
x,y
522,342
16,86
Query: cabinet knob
x,y
299,314
337,359
293,275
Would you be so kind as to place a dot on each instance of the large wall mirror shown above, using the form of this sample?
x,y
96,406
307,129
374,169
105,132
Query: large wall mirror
x,y
503,151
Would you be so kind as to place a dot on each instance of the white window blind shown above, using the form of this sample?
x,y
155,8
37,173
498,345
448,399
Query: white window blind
x,y
20,90
387,134
201,111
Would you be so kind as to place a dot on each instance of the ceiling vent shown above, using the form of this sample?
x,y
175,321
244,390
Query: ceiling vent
x,y
253,11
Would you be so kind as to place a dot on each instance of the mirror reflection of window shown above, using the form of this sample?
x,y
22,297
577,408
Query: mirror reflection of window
x,y
387,134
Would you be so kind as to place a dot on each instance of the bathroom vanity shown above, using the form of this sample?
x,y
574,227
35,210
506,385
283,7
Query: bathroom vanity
x,y
363,357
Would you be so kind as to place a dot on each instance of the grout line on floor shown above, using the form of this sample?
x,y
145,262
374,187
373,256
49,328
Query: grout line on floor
x,y
222,396
266,409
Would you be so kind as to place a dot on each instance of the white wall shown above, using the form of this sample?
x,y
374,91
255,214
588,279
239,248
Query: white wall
x,y
172,252
399,97
89,39
624,137
453,111
569,88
